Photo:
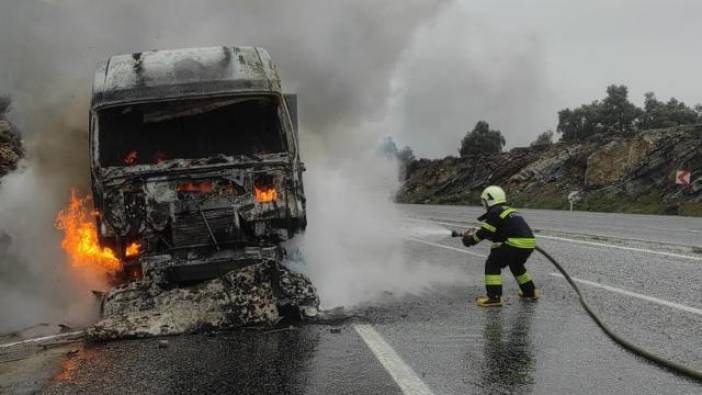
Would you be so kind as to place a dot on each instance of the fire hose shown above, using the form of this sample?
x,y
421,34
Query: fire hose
x,y
650,356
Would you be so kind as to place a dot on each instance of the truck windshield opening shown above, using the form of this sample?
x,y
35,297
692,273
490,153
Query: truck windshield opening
x,y
152,133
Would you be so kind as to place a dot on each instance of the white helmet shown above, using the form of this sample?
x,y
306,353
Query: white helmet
x,y
493,195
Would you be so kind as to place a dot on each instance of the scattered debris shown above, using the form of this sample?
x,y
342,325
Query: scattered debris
x,y
252,296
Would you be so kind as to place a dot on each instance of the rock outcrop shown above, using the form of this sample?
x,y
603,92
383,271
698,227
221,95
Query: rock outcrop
x,y
10,143
256,295
628,174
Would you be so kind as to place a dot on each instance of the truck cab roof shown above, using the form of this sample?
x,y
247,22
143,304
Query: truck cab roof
x,y
192,72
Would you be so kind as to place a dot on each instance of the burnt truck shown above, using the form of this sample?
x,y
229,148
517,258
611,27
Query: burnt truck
x,y
195,165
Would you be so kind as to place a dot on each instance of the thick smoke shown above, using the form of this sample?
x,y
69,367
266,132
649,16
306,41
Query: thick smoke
x,y
354,245
339,57
467,69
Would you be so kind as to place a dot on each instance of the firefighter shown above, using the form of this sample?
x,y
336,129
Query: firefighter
x,y
512,244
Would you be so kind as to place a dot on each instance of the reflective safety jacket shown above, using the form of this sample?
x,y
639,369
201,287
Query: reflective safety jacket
x,y
503,225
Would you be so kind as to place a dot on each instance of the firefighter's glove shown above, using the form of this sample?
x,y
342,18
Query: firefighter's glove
x,y
469,239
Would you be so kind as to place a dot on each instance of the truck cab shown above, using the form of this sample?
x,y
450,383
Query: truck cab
x,y
195,166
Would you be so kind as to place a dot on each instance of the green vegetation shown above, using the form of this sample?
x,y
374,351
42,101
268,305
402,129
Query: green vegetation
x,y
551,199
4,103
405,157
548,197
657,114
691,209
615,114
644,204
544,139
482,141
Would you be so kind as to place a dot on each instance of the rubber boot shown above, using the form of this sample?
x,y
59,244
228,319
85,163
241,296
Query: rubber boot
x,y
486,301
534,297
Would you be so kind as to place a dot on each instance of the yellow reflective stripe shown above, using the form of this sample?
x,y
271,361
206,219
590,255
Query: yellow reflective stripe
x,y
493,279
507,212
523,242
489,227
523,278
495,245
475,237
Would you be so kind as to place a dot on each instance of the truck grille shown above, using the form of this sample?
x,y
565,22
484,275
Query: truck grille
x,y
190,229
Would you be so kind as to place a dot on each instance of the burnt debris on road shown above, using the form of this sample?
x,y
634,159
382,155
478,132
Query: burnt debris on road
x,y
260,294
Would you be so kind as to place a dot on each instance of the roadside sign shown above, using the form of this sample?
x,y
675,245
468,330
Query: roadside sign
x,y
573,198
682,177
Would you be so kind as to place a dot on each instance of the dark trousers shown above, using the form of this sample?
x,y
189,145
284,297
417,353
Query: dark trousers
x,y
515,258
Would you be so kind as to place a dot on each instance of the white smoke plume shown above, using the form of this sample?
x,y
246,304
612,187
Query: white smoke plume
x,y
355,245
338,56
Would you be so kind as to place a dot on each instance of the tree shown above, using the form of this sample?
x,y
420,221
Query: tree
x,y
406,156
657,114
388,148
4,103
679,113
545,138
614,114
482,141
618,114
698,110
407,162
580,123
653,112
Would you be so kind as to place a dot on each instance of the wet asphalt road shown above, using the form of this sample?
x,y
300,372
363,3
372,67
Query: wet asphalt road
x,y
449,345
685,231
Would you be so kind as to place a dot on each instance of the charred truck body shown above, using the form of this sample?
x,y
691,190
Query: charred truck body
x,y
195,162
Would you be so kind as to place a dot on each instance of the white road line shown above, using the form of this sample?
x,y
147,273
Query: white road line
x,y
635,295
436,222
404,376
592,243
593,284
444,246
41,339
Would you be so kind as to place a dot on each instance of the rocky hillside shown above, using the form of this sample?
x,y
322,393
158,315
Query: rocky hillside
x,y
10,144
615,174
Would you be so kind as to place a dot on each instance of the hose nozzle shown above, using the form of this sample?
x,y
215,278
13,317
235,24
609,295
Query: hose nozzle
x,y
455,233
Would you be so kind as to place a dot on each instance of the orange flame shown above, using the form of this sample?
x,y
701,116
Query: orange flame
x,y
133,250
80,240
265,194
131,158
204,187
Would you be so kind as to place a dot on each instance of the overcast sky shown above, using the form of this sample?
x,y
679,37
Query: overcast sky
x,y
422,71
516,63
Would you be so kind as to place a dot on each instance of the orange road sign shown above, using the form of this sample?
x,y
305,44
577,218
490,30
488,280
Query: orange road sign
x,y
682,177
